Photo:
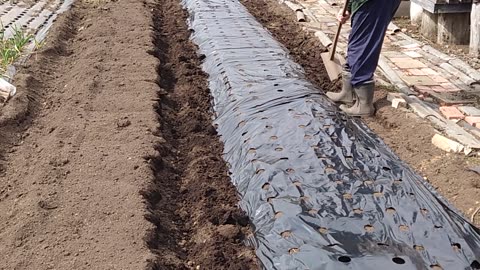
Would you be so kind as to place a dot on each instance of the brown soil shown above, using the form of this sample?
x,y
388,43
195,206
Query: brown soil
x,y
110,163
73,170
408,135
208,228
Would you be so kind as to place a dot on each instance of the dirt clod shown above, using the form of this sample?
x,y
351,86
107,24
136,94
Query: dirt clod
x,y
122,123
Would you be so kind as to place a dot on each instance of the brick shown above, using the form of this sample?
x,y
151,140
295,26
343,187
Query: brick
x,y
398,59
447,85
412,54
452,113
446,144
418,80
392,96
439,89
449,99
416,72
411,46
473,120
423,89
450,87
402,43
408,63
469,110
439,79
399,103
393,54
430,71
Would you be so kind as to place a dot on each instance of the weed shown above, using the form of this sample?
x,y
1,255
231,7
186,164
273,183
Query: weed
x,y
12,48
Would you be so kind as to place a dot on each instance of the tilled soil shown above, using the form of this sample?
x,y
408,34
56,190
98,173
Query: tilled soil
x,y
192,202
409,136
108,158
76,137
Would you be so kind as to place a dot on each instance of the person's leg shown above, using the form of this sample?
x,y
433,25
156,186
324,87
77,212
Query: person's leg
x,y
369,25
346,94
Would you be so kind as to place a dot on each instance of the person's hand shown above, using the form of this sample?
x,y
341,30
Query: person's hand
x,y
341,18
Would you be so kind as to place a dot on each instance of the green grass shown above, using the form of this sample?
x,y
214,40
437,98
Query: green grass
x,y
12,48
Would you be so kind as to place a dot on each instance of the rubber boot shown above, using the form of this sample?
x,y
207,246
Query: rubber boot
x,y
346,95
364,101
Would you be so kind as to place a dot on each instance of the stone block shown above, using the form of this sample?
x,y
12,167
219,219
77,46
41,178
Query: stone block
x,y
446,144
469,110
408,63
452,113
473,120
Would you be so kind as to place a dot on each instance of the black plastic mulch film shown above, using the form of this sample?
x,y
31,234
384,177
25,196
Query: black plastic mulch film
x,y
322,190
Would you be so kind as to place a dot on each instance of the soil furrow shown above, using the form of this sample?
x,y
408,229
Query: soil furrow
x,y
192,202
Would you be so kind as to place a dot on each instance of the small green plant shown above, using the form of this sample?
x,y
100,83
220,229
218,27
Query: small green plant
x,y
12,48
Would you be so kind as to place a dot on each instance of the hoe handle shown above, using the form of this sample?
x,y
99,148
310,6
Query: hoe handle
x,y
335,41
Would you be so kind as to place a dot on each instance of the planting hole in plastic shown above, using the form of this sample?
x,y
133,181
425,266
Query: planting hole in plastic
x,y
293,251
368,182
259,171
344,259
358,211
266,186
323,230
369,228
398,260
391,210
418,247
